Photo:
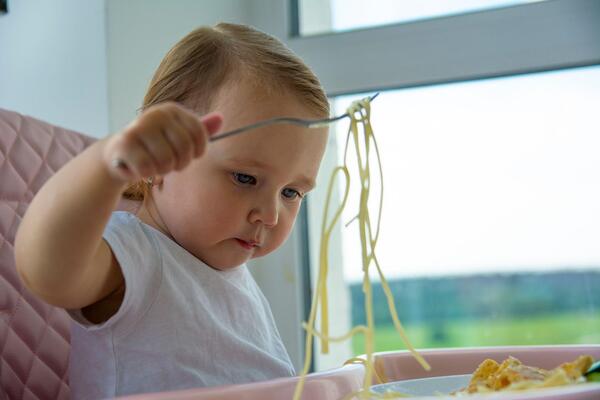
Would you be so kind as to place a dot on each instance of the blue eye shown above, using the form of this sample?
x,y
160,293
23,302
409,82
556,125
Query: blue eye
x,y
290,193
244,179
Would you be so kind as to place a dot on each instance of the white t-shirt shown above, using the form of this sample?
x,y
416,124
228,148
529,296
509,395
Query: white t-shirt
x,y
181,325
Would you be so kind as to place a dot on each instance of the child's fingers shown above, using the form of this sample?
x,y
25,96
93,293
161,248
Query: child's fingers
x,y
212,122
159,149
129,159
165,138
182,142
201,129
185,132
139,162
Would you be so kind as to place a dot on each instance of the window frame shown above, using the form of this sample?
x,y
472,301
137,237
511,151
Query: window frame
x,y
519,39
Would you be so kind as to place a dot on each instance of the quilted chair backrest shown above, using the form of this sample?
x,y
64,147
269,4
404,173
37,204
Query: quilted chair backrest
x,y
34,337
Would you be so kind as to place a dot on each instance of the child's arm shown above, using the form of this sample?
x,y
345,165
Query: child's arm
x,y
60,254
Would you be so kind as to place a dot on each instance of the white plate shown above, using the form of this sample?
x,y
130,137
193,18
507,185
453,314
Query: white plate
x,y
425,386
442,386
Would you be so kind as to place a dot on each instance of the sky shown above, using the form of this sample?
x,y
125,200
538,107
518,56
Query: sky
x,y
485,176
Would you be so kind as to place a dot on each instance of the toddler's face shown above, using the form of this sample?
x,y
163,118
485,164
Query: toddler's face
x,y
240,199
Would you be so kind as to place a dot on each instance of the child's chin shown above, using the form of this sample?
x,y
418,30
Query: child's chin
x,y
261,252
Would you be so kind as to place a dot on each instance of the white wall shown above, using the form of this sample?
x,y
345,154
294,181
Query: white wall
x,y
53,62
140,32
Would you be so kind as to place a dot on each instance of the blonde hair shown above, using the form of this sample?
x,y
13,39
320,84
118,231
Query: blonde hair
x,y
200,64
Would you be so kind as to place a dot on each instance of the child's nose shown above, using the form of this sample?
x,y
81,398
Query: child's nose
x,y
266,211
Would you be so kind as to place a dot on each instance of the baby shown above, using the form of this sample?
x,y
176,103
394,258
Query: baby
x,y
162,300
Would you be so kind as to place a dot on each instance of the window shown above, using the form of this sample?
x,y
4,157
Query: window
x,y
450,73
325,16
469,58
491,220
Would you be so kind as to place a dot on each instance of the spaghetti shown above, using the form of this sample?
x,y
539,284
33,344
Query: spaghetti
x,y
360,114
511,374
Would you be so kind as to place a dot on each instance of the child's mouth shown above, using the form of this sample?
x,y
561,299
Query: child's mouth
x,y
244,244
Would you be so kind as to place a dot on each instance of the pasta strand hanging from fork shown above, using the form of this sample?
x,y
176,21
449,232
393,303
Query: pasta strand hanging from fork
x,y
360,116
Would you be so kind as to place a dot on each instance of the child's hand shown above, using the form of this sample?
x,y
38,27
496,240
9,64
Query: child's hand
x,y
165,138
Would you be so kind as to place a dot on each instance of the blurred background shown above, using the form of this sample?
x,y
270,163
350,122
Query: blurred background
x,y
487,124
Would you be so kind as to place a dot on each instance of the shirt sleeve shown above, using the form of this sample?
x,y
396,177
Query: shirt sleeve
x,y
136,251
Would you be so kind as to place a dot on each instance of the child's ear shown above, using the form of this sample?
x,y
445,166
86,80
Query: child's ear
x,y
157,180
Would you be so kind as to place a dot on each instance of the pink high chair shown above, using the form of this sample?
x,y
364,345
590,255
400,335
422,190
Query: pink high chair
x,y
34,337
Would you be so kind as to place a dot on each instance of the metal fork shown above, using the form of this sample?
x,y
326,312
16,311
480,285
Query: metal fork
x,y
309,123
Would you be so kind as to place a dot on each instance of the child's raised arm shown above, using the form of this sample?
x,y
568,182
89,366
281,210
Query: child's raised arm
x,y
60,254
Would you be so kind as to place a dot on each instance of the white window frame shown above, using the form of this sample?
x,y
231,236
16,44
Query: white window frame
x,y
521,39
534,37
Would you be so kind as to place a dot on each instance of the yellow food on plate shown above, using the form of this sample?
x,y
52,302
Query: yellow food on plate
x,y
514,375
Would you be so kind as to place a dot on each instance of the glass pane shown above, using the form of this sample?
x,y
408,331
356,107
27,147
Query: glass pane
x,y
491,219
324,16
